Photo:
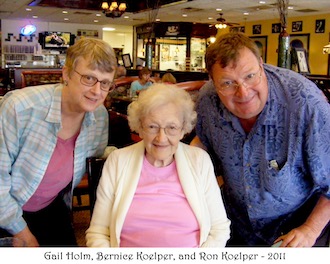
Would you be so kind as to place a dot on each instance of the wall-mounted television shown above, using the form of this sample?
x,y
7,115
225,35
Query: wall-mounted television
x,y
55,39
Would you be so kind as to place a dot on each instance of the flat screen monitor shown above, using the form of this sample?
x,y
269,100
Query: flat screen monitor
x,y
55,39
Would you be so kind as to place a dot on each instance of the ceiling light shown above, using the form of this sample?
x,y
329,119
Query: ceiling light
x,y
114,10
220,26
108,29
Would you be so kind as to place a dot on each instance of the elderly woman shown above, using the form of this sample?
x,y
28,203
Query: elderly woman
x,y
159,192
46,133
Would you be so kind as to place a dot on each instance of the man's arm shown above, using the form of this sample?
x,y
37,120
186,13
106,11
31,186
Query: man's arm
x,y
306,234
197,143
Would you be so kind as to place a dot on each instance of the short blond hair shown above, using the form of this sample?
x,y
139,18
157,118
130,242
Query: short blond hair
x,y
98,52
168,78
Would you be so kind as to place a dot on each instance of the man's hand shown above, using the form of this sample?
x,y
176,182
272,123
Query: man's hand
x,y
302,236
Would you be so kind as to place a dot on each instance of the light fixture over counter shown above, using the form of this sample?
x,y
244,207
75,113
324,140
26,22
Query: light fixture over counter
x,y
114,9
220,26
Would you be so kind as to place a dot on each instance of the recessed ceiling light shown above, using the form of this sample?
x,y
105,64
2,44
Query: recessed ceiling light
x,y
262,2
219,9
290,7
184,15
35,16
126,16
95,21
157,19
66,19
64,12
210,18
246,13
108,29
28,9
98,15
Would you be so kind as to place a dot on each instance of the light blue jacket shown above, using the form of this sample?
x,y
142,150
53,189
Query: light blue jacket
x,y
30,119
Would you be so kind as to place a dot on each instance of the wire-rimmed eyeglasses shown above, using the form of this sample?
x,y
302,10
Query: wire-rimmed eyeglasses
x,y
171,130
230,87
90,81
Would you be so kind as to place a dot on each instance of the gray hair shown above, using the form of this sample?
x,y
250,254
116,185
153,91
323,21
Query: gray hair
x,y
157,95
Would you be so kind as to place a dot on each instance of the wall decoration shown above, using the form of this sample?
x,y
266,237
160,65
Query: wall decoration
x,y
256,29
237,29
320,26
300,41
119,54
261,42
87,33
302,60
297,26
276,28
127,60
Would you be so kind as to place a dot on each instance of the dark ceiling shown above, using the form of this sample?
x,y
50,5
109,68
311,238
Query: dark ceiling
x,y
133,6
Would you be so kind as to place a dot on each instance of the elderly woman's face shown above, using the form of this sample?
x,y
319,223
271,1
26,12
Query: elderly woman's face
x,y
162,131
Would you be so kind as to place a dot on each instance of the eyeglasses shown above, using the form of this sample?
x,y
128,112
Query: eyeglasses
x,y
90,81
169,130
230,87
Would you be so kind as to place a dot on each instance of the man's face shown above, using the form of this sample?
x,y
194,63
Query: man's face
x,y
242,87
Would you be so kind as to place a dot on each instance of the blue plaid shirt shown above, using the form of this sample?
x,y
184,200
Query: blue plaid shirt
x,y
30,119
271,171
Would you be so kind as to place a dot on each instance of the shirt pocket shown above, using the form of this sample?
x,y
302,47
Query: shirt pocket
x,y
277,180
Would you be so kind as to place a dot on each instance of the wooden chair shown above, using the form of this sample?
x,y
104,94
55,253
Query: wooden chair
x,y
94,168
80,190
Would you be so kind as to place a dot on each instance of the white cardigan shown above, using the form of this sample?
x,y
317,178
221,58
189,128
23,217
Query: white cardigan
x,y
119,180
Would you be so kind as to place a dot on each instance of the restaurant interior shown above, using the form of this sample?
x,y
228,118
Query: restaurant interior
x,y
164,35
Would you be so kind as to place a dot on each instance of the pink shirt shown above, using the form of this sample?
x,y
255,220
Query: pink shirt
x,y
160,215
58,175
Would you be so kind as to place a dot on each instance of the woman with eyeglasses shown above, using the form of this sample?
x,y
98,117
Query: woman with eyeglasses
x,y
159,192
268,129
46,134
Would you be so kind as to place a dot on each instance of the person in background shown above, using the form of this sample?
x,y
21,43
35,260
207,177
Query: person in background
x,y
168,78
143,82
121,72
159,192
268,131
117,91
46,134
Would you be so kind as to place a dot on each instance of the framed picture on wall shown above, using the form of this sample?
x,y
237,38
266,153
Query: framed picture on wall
x,y
300,41
237,29
302,59
276,28
320,26
256,29
127,60
261,42
297,26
